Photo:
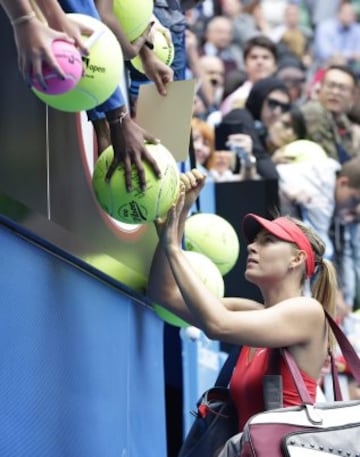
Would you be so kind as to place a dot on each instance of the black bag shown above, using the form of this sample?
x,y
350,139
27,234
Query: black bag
x,y
216,419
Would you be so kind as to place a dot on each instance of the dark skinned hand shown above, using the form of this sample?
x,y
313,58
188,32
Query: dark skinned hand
x,y
128,140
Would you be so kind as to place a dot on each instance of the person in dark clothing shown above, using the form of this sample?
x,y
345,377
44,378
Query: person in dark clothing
x,y
240,121
267,100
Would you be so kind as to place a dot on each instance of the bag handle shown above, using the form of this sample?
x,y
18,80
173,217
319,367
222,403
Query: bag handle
x,y
224,376
346,347
299,381
335,378
348,352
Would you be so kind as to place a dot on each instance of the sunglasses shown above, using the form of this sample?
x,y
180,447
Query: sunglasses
x,y
273,104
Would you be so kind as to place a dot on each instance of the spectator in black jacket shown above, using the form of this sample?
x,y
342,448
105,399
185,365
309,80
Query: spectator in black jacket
x,y
267,100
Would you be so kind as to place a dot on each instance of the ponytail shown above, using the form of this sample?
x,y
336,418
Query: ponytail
x,y
324,289
323,284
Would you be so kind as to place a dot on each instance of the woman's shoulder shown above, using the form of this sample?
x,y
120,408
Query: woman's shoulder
x,y
304,305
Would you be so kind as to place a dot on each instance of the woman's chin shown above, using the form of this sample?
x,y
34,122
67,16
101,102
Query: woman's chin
x,y
249,276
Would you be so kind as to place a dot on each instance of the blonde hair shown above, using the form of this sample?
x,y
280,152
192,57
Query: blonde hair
x,y
295,41
323,284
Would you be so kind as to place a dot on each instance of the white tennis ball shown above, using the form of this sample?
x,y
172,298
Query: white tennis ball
x,y
103,68
162,49
137,206
213,236
192,333
133,16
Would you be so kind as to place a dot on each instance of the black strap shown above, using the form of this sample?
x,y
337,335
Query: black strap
x,y
192,160
192,157
226,371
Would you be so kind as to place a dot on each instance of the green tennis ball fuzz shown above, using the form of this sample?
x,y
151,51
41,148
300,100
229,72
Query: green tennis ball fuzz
x,y
213,236
133,16
137,206
207,272
209,275
169,317
162,49
103,70
300,151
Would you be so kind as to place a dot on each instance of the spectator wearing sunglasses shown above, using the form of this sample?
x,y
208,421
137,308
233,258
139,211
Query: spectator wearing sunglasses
x,y
267,101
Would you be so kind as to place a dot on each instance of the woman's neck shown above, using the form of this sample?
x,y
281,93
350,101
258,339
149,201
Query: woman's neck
x,y
273,295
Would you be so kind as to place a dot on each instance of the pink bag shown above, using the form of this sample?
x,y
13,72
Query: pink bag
x,y
308,430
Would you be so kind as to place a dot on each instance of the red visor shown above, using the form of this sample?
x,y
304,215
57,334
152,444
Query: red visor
x,y
284,229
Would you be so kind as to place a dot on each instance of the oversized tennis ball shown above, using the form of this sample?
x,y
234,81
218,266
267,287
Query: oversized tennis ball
x,y
162,49
102,68
207,272
209,275
137,206
214,237
169,317
69,59
133,16
304,151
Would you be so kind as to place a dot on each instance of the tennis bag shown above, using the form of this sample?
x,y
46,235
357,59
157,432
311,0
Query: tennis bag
x,y
308,430
215,416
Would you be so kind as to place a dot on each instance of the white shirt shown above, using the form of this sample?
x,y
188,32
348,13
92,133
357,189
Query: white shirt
x,y
312,186
238,97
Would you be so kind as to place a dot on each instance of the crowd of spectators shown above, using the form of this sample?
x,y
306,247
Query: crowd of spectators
x,y
284,104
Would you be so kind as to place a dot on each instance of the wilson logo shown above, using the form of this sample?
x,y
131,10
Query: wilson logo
x,y
134,212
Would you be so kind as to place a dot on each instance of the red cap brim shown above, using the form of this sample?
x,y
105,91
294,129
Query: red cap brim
x,y
284,229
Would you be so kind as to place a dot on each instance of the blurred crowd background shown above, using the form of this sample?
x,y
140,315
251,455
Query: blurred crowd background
x,y
278,98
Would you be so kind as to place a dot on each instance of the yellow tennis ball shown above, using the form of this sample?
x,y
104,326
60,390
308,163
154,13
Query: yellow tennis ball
x,y
207,271
304,151
103,68
213,236
162,49
137,207
133,16
169,317
209,275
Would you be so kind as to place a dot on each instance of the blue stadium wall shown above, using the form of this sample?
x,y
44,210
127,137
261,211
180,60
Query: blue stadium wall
x,y
86,368
81,363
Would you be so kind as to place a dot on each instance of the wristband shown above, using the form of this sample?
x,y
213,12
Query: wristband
x,y
118,120
21,19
